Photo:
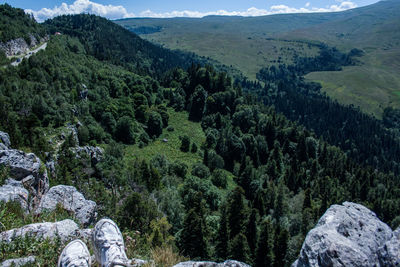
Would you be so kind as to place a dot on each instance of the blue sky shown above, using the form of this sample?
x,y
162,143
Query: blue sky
x,y
43,9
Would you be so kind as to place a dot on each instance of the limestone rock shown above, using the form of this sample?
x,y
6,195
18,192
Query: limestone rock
x,y
389,253
93,152
137,262
20,46
26,167
18,262
73,129
14,47
5,139
71,200
65,230
51,167
85,235
346,235
228,263
14,191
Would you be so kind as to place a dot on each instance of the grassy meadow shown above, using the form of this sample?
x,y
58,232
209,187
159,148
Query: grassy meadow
x,y
171,149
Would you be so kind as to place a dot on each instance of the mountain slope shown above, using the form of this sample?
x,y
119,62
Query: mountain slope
x,y
252,43
227,164
107,41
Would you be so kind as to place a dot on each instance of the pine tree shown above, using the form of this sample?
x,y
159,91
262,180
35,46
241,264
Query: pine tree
x,y
280,205
251,231
280,247
264,252
221,248
193,239
237,212
239,248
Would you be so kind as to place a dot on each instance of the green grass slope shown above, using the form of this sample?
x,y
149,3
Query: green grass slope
x,y
181,126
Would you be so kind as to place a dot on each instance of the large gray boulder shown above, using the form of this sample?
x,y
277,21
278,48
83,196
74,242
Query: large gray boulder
x,y
389,253
26,167
14,191
65,230
5,139
28,261
346,235
70,199
228,263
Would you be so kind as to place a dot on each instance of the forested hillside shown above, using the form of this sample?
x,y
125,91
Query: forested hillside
x,y
243,182
107,41
14,23
363,138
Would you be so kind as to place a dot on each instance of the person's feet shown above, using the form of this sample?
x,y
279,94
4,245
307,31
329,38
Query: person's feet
x,y
75,254
108,244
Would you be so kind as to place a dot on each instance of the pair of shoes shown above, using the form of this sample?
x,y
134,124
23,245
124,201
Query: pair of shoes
x,y
109,248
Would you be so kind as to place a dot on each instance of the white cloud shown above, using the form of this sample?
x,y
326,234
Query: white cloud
x,y
82,6
251,12
116,12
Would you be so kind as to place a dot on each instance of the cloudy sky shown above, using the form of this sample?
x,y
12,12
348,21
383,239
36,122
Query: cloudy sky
x,y
113,9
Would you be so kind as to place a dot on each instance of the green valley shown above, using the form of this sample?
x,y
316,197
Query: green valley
x,y
249,44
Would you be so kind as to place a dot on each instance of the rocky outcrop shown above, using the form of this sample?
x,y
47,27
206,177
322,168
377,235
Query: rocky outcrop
x,y
72,129
65,230
14,47
20,46
70,199
5,140
14,191
389,254
349,235
26,167
93,152
18,262
228,263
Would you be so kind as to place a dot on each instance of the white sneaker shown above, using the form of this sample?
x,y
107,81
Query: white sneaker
x,y
108,244
75,254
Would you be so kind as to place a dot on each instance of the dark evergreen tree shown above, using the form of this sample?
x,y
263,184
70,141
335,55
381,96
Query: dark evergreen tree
x,y
239,249
221,249
125,131
193,239
280,247
251,232
197,104
185,145
154,124
264,253
237,213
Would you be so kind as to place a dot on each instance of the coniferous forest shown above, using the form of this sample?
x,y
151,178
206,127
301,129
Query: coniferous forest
x,y
276,153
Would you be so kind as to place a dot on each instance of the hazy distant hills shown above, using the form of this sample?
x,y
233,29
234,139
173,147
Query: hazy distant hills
x,y
250,43
376,25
